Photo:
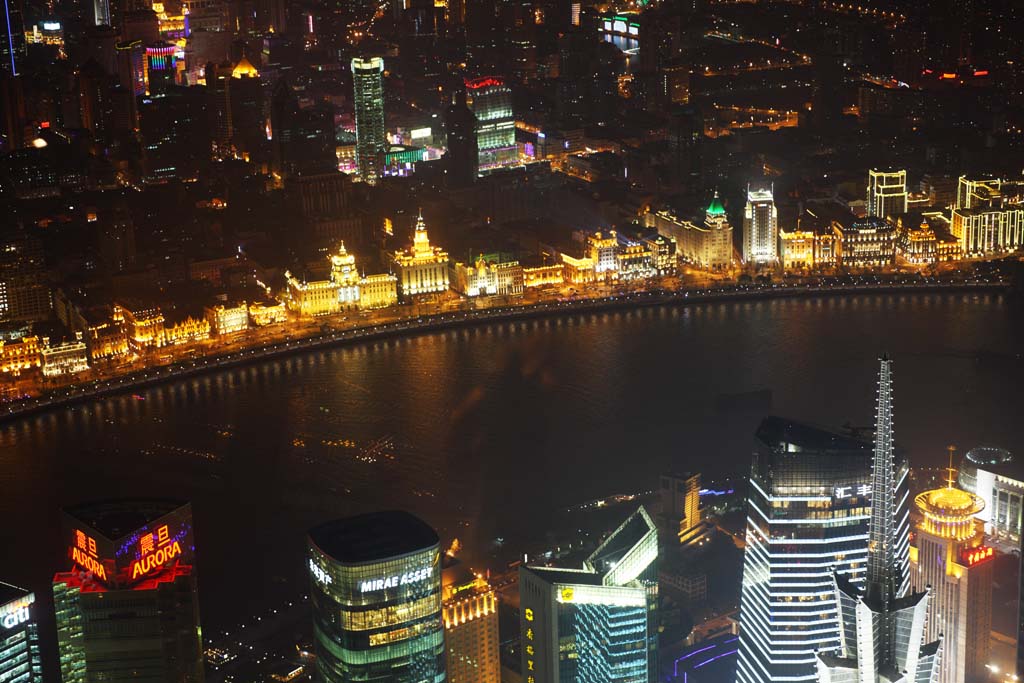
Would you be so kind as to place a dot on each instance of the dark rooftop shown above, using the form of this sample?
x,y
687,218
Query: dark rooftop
x,y
779,434
559,575
9,593
117,518
373,537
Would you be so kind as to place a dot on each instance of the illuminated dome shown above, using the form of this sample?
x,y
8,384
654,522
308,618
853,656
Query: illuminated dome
x,y
989,455
244,69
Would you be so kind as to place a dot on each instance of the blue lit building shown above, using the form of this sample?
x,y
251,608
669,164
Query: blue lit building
x,y
597,623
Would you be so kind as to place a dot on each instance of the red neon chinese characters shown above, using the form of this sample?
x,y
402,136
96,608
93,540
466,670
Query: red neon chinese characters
x,y
973,556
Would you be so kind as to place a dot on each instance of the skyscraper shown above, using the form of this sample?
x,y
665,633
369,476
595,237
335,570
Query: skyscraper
x,y
882,624
887,193
470,627
19,636
808,511
376,594
462,155
128,606
760,227
12,38
597,623
952,559
680,503
491,102
368,84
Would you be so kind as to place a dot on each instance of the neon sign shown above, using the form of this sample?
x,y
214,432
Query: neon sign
x,y
973,556
319,574
486,81
396,581
17,612
155,550
848,491
83,553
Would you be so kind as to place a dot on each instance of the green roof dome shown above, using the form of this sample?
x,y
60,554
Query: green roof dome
x,y
716,208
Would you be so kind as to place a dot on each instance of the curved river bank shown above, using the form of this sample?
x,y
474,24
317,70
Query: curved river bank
x,y
77,393
490,431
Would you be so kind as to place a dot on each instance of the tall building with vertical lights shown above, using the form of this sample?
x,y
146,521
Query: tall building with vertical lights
x,y
12,38
597,623
470,627
368,86
491,102
19,636
128,607
680,503
377,603
952,559
807,514
760,227
887,193
881,623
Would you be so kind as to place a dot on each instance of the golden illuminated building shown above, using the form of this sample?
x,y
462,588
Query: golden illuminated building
x,y
106,339
187,331
143,326
952,559
20,355
265,313
345,276
422,269
797,249
602,250
544,276
378,291
706,246
67,358
227,319
470,616
487,277
315,298
916,244
578,271
870,243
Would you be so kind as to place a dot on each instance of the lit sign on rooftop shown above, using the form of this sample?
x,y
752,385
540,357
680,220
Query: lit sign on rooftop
x,y
976,556
16,612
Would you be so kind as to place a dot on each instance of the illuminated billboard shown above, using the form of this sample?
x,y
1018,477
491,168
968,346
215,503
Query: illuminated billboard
x,y
103,539
974,556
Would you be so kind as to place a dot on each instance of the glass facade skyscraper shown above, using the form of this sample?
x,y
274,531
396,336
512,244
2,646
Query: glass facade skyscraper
x,y
491,102
128,609
598,623
368,87
19,636
808,512
377,601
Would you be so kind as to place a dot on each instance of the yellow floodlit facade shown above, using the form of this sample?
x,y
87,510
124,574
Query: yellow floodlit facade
x,y
310,299
144,327
345,276
188,331
578,271
20,355
544,276
261,313
797,249
422,269
378,291
227,319
470,616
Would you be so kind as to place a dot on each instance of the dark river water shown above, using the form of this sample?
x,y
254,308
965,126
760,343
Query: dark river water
x,y
490,432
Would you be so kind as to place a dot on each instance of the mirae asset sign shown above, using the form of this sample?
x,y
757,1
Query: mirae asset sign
x,y
395,581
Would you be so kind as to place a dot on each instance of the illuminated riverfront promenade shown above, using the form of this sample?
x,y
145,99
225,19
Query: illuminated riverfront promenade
x,y
326,332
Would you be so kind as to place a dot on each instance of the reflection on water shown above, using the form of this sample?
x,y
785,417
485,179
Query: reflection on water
x,y
489,431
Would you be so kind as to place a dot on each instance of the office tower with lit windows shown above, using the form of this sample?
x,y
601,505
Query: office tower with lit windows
x,y
998,479
491,102
421,269
24,292
760,227
368,84
470,627
127,607
881,623
952,559
19,636
377,604
680,503
596,623
808,509
887,194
